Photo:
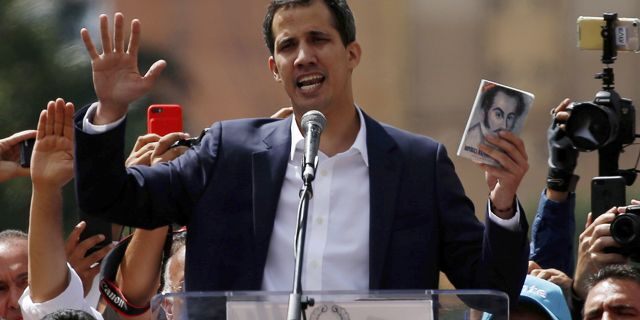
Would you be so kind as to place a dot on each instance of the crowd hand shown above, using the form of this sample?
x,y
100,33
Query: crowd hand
x,y
503,181
142,150
591,256
282,113
116,77
10,155
151,149
552,275
52,158
562,154
87,267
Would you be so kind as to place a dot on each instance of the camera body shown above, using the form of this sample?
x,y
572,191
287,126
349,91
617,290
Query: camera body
x,y
608,119
625,230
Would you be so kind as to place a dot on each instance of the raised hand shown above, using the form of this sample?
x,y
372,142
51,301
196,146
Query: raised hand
x,y
504,181
10,154
52,158
116,77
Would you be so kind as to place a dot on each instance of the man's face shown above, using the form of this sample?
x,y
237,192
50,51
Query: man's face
x,y
502,113
13,277
175,282
613,299
310,59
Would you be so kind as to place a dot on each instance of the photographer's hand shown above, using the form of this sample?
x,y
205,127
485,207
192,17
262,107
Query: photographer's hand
x,y
591,254
163,151
142,150
116,77
10,155
563,156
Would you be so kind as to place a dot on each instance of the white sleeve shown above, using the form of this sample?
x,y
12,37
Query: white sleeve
x,y
512,224
71,298
91,128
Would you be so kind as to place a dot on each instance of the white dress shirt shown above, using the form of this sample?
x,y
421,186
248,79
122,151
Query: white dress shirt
x,y
336,255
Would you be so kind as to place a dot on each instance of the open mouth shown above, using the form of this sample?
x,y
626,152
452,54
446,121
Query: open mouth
x,y
310,82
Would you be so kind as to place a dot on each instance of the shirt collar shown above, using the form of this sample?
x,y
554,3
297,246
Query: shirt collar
x,y
360,144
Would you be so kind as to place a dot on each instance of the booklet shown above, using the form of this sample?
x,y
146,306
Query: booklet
x,y
497,107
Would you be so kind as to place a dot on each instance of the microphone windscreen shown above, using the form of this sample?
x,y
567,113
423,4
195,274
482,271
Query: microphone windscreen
x,y
313,117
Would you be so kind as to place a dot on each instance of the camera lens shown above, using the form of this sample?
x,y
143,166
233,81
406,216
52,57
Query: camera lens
x,y
625,229
591,126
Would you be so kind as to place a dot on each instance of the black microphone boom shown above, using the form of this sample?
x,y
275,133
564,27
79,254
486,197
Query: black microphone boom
x,y
312,123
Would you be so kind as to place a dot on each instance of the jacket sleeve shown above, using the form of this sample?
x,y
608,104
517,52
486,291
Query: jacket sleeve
x,y
477,257
139,196
552,234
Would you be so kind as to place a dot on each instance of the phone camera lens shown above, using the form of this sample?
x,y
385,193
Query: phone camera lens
x,y
156,110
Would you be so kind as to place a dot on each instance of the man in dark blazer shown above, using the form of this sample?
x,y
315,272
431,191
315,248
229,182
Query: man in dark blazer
x,y
229,189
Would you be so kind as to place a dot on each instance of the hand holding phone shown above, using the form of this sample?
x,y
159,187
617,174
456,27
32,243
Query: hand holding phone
x,y
26,149
164,118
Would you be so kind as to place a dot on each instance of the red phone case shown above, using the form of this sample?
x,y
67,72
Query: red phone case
x,y
164,118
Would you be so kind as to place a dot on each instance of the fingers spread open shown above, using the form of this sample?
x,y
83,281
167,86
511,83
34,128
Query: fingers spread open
x,y
104,33
134,37
118,33
91,48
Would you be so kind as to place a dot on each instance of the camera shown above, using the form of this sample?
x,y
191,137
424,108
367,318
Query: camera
x,y
625,230
607,123
608,119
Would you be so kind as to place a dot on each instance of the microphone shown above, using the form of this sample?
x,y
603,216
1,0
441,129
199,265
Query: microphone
x,y
313,123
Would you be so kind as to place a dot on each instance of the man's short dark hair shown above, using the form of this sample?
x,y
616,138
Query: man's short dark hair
x,y
614,271
10,235
343,19
69,314
490,95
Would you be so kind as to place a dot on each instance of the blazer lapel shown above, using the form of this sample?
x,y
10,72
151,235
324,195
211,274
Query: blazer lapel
x,y
384,176
268,170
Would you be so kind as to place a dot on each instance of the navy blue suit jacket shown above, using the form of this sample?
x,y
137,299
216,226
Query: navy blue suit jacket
x,y
226,191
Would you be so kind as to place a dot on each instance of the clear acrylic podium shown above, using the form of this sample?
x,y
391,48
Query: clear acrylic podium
x,y
351,305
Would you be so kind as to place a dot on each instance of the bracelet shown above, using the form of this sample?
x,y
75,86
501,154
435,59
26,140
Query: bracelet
x,y
496,210
510,209
561,181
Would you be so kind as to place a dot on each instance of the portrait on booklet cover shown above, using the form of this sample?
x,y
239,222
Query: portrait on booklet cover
x,y
497,107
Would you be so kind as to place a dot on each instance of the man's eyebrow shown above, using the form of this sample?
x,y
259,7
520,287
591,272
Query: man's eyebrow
x,y
624,308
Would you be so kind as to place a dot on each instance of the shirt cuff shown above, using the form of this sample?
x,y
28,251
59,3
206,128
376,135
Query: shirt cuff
x,y
90,128
71,298
511,224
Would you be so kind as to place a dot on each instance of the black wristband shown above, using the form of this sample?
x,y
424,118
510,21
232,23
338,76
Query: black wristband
x,y
560,180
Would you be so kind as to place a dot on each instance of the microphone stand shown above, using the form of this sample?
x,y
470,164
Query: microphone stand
x,y
297,303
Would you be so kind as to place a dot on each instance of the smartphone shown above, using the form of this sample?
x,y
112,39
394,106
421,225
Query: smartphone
x,y
164,118
606,192
26,149
627,33
95,226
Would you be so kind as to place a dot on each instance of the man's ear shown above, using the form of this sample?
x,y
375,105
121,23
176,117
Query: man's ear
x,y
354,52
274,69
